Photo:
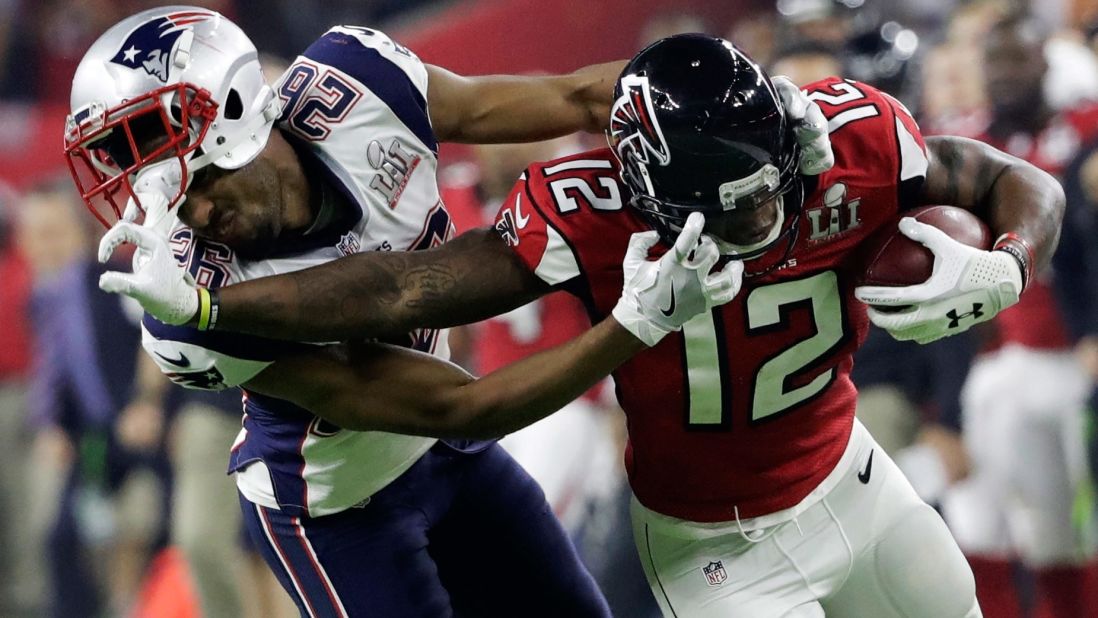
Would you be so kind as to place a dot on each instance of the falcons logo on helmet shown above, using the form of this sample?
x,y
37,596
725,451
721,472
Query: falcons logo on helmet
x,y
634,130
150,45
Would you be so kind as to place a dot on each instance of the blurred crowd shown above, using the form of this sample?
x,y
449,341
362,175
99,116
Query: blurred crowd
x,y
112,485
41,41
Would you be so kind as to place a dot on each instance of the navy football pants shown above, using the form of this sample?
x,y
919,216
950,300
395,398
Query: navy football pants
x,y
459,534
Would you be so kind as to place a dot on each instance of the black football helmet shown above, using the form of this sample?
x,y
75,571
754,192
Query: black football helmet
x,y
698,126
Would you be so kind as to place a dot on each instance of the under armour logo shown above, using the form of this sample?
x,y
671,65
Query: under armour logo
x,y
955,318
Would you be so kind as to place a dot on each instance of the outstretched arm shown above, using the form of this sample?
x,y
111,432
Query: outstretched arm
x,y
471,278
495,109
378,387
375,386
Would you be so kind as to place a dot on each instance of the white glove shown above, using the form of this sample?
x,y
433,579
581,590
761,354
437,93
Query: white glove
x,y
966,287
155,187
660,296
809,127
155,206
158,282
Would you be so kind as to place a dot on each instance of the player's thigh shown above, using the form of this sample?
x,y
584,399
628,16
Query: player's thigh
x,y
906,563
362,562
502,552
682,591
728,576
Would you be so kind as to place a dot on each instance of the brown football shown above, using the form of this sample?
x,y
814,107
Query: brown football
x,y
894,259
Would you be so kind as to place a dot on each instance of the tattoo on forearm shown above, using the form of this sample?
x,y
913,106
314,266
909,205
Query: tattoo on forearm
x,y
389,296
355,291
383,294
428,285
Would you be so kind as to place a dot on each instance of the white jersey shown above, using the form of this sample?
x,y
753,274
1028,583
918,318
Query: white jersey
x,y
355,109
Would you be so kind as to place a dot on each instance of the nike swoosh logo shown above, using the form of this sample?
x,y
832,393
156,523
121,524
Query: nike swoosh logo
x,y
182,361
669,311
863,476
520,220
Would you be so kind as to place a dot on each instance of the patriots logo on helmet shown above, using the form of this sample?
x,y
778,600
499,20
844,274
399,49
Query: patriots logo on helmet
x,y
634,130
150,45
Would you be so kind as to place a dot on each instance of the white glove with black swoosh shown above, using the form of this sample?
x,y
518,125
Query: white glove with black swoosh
x,y
659,296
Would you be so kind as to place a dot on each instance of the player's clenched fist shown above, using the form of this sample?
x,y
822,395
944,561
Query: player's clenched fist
x,y
968,286
660,296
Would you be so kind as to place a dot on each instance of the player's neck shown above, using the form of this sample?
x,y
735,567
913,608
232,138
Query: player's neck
x,y
298,196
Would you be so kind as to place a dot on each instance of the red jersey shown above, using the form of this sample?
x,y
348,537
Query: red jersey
x,y
1035,322
751,406
542,324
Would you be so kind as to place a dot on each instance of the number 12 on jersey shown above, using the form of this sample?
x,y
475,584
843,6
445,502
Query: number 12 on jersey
x,y
708,385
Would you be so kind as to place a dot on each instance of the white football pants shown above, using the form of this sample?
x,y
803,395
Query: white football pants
x,y
851,549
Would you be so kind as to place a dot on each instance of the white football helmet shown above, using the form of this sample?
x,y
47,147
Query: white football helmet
x,y
173,87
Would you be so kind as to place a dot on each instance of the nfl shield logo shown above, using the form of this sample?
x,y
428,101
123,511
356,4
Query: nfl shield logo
x,y
715,575
349,244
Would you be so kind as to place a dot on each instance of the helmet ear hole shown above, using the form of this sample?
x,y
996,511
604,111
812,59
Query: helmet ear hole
x,y
234,106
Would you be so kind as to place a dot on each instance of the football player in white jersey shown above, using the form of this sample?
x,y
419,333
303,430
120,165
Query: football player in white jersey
x,y
171,117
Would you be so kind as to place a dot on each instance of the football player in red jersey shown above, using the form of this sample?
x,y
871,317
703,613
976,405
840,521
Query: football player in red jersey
x,y
757,492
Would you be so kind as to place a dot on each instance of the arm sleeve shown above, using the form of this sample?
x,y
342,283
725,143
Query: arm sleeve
x,y
539,245
913,161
